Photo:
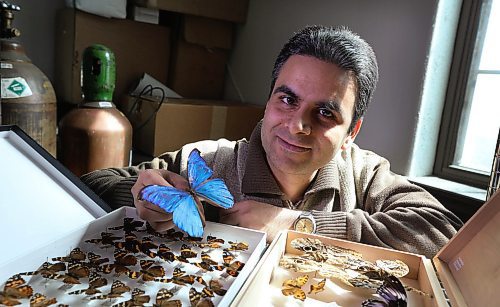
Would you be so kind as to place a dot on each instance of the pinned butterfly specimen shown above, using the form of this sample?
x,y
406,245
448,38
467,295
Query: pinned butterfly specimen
x,y
148,271
187,252
95,281
76,270
107,238
212,242
237,246
147,245
165,253
129,225
293,287
117,289
47,269
131,244
186,206
315,288
232,267
138,299
163,299
76,254
179,277
95,260
207,259
392,292
15,288
199,299
40,300
122,260
216,287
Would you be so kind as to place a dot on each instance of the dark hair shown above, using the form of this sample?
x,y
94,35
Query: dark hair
x,y
342,47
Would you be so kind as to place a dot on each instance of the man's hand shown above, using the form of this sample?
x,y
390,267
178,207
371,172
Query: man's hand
x,y
157,217
259,216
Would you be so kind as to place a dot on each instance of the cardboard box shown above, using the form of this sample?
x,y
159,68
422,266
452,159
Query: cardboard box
x,y
229,10
181,121
138,47
54,212
467,266
199,56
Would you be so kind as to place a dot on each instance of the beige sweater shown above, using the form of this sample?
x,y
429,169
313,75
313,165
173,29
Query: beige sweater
x,y
354,197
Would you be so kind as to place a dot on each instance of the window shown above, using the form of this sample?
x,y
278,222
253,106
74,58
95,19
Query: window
x,y
471,118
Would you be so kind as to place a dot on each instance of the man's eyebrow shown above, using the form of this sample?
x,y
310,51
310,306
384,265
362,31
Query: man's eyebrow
x,y
285,89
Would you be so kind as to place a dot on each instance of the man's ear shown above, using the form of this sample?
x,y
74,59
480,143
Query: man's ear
x,y
352,135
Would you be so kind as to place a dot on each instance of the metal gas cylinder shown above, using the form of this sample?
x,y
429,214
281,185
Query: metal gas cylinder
x,y
95,135
27,96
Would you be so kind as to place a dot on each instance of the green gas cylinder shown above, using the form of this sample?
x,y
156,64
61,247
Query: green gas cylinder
x,y
95,135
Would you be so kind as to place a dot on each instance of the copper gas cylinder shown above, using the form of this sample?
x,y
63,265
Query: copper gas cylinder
x,y
28,98
96,135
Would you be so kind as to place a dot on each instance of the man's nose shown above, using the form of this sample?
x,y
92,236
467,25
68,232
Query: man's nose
x,y
300,122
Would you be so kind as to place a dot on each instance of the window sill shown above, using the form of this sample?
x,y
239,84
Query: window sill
x,y
461,199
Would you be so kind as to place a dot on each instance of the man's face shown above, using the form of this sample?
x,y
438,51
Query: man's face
x,y
307,116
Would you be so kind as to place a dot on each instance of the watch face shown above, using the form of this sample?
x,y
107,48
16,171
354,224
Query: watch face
x,y
304,225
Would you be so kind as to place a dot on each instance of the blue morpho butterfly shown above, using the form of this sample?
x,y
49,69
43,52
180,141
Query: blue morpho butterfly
x,y
186,207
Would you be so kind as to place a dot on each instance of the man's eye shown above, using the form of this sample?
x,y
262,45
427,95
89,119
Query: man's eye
x,y
325,113
287,100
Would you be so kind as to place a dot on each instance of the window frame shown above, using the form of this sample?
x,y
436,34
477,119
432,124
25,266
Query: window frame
x,y
464,64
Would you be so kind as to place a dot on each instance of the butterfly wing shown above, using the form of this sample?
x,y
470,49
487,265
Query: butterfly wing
x,y
198,170
216,193
187,217
167,198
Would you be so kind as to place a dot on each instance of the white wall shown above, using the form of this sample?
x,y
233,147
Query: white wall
x,y
399,32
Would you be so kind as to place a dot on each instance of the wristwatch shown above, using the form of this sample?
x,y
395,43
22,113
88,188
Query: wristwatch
x,y
305,223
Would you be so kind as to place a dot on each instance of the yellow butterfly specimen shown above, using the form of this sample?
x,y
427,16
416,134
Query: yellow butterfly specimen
x,y
293,287
315,288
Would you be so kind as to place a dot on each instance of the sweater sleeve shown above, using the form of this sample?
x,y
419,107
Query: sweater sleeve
x,y
387,210
396,213
113,184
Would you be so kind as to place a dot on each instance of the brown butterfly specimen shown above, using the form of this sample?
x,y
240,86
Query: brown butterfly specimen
x,y
147,245
207,259
212,242
47,268
131,244
216,287
138,299
187,252
316,288
199,299
129,225
232,267
15,288
76,254
76,270
117,289
107,238
166,254
122,260
163,299
95,260
175,234
293,287
148,271
179,277
237,246
95,281
203,265
40,300
150,230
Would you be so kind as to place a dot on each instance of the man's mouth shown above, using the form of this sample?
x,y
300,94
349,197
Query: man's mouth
x,y
292,146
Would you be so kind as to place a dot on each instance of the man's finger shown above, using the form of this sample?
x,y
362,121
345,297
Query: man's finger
x,y
162,226
151,213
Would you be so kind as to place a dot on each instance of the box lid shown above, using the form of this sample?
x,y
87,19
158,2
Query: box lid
x,y
469,264
39,198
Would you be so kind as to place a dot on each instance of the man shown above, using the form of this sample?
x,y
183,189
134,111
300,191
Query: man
x,y
300,166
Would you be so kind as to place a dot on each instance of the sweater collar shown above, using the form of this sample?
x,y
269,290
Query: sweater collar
x,y
258,178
